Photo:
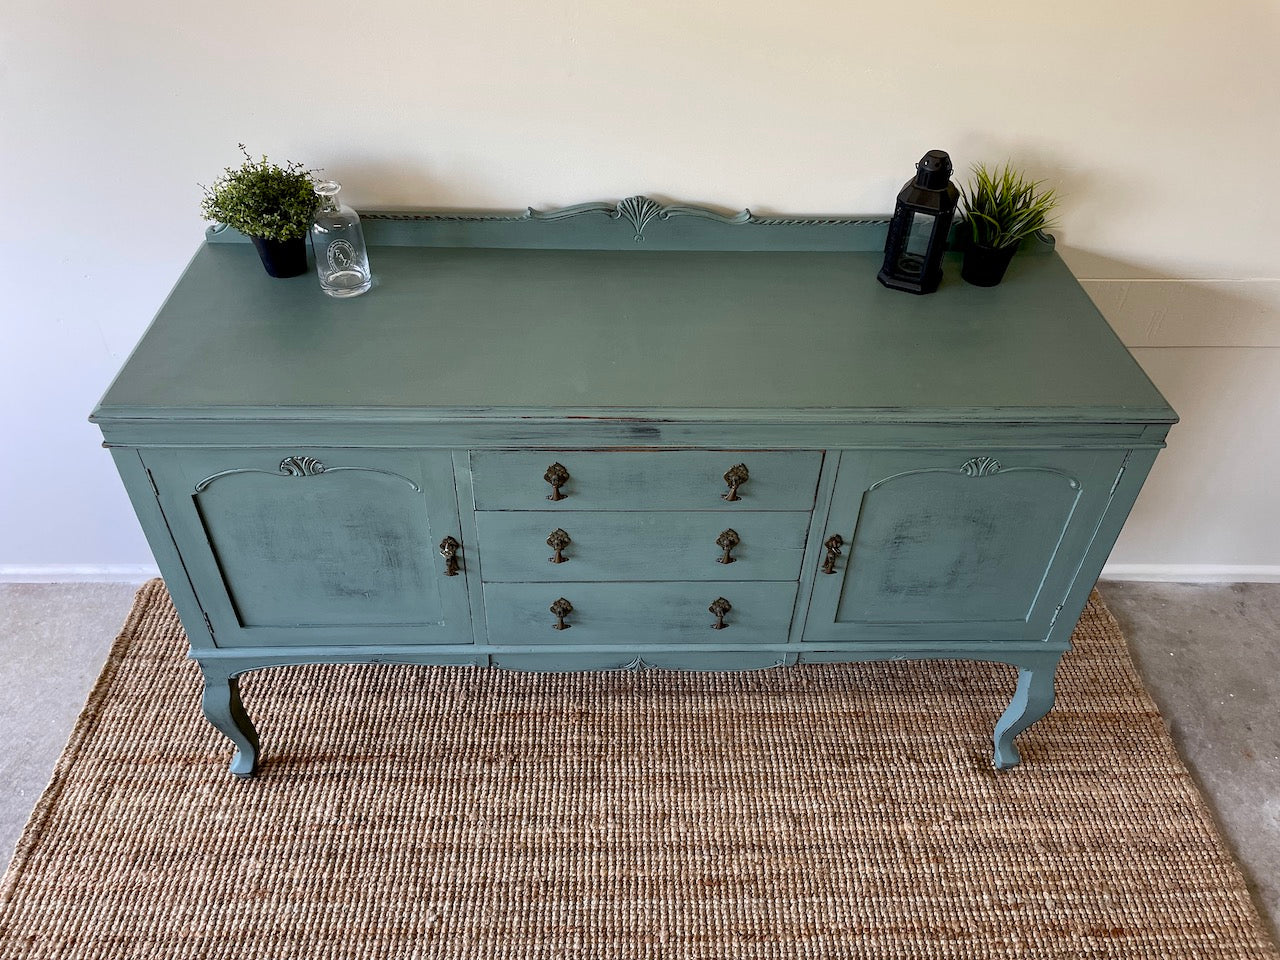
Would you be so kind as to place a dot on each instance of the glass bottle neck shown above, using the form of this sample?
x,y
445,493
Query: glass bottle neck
x,y
328,193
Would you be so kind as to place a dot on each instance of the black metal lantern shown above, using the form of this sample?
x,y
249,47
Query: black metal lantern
x,y
918,230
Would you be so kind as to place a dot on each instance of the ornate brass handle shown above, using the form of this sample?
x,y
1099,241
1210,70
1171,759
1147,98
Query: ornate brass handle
x,y
735,477
726,542
720,606
557,476
557,542
561,609
449,550
833,544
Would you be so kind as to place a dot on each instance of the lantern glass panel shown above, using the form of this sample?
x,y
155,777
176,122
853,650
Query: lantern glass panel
x,y
913,253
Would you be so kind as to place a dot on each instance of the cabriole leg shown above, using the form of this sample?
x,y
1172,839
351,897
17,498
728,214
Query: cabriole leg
x,y
1032,699
222,707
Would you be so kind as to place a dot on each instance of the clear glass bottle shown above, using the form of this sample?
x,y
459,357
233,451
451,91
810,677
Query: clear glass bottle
x,y
342,263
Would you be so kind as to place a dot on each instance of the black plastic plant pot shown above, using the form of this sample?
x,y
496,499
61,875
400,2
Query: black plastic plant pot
x,y
985,266
282,258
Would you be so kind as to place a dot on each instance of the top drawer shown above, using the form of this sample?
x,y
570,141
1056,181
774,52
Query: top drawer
x,y
645,480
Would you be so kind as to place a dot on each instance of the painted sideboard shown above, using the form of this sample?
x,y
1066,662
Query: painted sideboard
x,y
628,436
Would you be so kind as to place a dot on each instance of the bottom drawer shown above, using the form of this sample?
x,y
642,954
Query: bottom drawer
x,y
644,613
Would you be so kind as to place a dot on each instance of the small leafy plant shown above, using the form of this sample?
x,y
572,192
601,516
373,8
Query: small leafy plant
x,y
263,199
1002,207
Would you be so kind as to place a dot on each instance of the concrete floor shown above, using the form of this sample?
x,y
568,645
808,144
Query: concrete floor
x,y
53,642
1210,654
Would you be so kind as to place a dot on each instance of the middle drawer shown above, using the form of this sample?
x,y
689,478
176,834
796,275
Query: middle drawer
x,y
664,545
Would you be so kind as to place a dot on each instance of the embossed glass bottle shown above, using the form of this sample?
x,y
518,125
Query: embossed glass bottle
x,y
342,263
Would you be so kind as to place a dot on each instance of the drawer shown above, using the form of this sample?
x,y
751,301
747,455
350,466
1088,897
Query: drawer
x,y
660,613
662,545
645,480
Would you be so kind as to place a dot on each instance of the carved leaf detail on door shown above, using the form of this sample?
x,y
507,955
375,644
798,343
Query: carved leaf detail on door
x,y
980,467
301,466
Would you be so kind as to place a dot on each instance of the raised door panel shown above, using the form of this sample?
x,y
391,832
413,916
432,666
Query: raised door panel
x,y
317,546
948,545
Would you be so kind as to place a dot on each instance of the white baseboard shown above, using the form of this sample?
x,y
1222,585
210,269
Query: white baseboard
x,y
77,573
1193,572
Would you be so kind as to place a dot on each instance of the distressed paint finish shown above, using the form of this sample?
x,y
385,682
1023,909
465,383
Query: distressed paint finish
x,y
317,545
638,545
296,462
223,708
685,332
1032,699
648,480
636,613
956,545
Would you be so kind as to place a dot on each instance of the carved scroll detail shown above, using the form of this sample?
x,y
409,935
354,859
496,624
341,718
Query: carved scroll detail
x,y
301,466
638,210
980,467
640,664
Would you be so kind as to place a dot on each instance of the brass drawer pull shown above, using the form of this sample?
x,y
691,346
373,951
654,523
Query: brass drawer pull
x,y
561,609
557,542
726,542
449,550
557,476
720,606
833,544
735,477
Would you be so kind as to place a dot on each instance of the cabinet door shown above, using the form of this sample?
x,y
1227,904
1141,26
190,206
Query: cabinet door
x,y
946,545
317,546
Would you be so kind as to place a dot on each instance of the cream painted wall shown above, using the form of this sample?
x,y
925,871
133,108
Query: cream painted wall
x,y
1158,120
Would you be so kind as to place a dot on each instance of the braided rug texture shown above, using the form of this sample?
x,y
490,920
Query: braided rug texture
x,y
810,812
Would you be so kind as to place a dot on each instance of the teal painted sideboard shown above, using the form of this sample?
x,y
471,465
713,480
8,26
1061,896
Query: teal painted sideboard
x,y
628,436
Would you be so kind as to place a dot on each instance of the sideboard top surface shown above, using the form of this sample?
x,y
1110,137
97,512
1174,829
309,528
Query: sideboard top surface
x,y
449,331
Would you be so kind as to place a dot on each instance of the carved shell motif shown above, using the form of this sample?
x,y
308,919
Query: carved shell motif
x,y
301,466
639,211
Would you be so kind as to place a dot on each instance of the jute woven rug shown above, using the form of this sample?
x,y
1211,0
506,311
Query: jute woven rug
x,y
813,812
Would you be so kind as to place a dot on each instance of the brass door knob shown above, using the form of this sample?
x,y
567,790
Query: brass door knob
x,y
557,476
735,477
726,542
561,609
449,550
557,542
720,606
833,544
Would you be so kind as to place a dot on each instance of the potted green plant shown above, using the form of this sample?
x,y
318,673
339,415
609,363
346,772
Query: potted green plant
x,y
1001,209
271,204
